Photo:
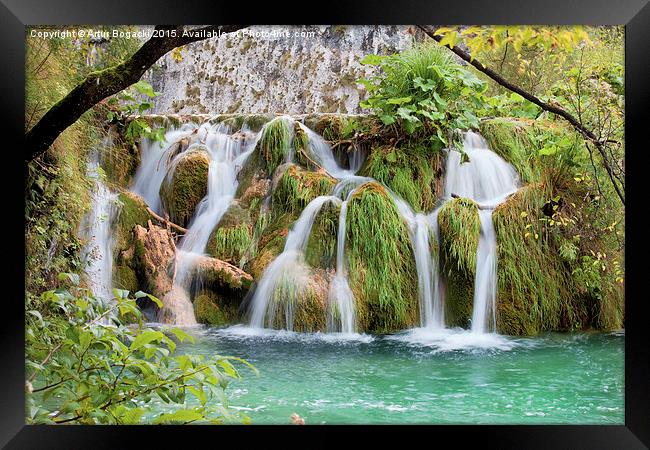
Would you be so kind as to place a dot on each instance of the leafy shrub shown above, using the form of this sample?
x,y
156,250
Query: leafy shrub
x,y
424,89
88,365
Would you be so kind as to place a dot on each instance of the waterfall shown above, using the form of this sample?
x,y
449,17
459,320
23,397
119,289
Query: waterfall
x,y
488,180
97,229
340,296
227,156
484,311
288,267
228,153
153,165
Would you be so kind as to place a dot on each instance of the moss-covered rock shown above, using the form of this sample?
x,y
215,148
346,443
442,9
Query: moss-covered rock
x,y
219,289
124,277
185,185
296,187
133,211
382,271
534,292
414,172
460,228
120,162
321,246
299,302
270,244
209,310
275,144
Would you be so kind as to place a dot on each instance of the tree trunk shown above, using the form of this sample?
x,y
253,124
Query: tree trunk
x,y
99,85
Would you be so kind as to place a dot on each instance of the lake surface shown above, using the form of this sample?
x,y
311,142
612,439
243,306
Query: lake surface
x,y
421,378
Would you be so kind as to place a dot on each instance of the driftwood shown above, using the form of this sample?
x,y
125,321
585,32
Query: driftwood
x,y
166,221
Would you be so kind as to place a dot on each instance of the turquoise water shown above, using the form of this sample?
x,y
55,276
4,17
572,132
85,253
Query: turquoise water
x,y
412,378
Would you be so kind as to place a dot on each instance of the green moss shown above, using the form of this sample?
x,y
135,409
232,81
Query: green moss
x,y
132,212
381,264
182,190
124,277
534,293
302,149
270,243
210,309
120,161
307,306
518,142
321,246
460,227
230,243
275,143
297,187
410,172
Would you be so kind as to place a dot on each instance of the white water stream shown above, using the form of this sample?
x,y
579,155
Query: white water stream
x,y
97,229
488,180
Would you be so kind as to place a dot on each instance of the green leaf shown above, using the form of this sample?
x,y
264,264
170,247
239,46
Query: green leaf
x,y
387,119
199,394
182,416
146,337
120,293
399,100
182,335
548,151
153,298
372,60
144,88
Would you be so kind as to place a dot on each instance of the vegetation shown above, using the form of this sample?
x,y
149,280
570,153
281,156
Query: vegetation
x,y
425,91
560,237
89,366
185,185
382,268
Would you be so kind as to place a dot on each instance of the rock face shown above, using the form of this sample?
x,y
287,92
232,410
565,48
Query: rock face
x,y
288,69
155,250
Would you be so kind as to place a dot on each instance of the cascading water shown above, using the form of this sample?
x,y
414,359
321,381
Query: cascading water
x,y
488,180
342,309
153,166
228,153
97,228
483,314
288,268
227,156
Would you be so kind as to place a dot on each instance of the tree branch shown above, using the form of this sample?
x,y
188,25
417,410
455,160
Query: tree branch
x,y
99,85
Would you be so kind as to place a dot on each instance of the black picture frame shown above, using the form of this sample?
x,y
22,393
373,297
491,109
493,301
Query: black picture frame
x,y
634,14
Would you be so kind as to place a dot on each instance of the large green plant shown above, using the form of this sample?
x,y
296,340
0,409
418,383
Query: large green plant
x,y
90,363
425,91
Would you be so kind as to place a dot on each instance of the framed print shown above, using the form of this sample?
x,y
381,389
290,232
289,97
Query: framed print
x,y
415,217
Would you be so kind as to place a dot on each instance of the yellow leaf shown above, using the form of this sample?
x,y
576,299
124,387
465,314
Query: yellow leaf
x,y
442,30
450,39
